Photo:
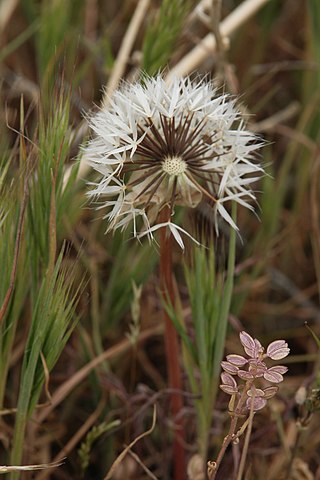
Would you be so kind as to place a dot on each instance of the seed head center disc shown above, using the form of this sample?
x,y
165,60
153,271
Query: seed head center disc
x,y
174,165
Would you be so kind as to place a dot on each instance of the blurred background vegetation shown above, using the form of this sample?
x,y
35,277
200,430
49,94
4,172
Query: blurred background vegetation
x,y
81,350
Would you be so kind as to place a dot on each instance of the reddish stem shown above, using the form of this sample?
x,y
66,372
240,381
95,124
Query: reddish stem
x,y
232,430
172,347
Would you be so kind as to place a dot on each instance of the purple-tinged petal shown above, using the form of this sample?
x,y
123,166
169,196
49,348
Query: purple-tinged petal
x,y
227,379
258,403
278,350
228,389
255,392
269,392
245,375
229,368
236,360
280,369
248,343
272,376
259,347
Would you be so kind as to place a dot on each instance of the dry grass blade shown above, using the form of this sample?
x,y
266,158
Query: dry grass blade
x,y
112,352
282,116
142,465
29,468
204,49
125,49
7,8
75,439
126,450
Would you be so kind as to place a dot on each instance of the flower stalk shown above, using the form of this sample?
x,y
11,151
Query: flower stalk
x,y
231,435
172,346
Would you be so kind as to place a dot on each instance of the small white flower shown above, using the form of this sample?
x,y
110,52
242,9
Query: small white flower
x,y
160,145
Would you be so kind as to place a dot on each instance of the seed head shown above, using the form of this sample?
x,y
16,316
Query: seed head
x,y
160,144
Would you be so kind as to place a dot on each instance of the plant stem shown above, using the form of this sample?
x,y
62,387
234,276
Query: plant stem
x,y
214,466
227,440
172,347
246,442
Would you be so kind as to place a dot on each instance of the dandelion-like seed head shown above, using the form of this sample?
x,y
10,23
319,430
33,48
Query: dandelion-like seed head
x,y
174,166
159,145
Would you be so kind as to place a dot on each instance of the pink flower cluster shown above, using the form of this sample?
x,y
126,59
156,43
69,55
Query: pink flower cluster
x,y
252,369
